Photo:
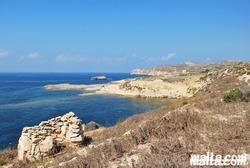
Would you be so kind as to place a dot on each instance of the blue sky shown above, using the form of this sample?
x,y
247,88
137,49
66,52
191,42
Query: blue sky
x,y
120,35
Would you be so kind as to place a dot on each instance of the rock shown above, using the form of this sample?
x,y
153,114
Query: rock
x,y
40,166
59,124
25,134
99,78
46,145
47,128
7,166
73,126
74,119
58,118
67,162
35,140
71,114
76,130
25,129
91,126
77,139
42,132
24,145
63,130
44,123
40,141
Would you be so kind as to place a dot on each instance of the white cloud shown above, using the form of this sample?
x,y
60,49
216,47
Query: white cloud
x,y
168,57
151,59
75,58
4,53
160,59
33,55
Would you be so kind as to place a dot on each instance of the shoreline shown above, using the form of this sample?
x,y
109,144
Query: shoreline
x,y
151,86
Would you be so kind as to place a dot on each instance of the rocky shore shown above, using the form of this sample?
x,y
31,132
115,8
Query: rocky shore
x,y
179,81
160,87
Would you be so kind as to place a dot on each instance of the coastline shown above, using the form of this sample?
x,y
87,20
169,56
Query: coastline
x,y
151,86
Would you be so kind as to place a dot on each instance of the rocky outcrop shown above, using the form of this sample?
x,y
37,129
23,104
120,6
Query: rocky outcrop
x,y
44,139
99,78
91,126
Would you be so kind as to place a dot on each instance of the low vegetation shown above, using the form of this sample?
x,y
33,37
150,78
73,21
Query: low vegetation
x,y
167,136
233,95
236,95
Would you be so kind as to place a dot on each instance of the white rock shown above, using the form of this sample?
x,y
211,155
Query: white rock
x,y
77,131
67,162
63,130
42,132
44,123
77,139
60,124
25,134
40,166
75,126
71,114
7,166
58,118
24,145
25,129
73,119
46,145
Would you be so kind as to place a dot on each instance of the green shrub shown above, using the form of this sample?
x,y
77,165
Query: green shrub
x,y
184,102
233,95
2,162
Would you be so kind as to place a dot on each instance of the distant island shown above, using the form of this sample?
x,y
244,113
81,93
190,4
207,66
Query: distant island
x,y
100,78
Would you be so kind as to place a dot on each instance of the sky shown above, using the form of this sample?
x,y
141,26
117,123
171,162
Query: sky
x,y
120,35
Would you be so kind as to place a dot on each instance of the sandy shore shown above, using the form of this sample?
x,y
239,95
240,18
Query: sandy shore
x,y
66,86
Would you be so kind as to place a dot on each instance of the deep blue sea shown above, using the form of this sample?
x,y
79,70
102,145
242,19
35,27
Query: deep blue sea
x,y
25,102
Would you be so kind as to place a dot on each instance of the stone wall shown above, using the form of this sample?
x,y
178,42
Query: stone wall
x,y
44,139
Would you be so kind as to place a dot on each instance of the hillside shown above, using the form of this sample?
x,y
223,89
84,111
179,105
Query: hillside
x,y
208,121
188,67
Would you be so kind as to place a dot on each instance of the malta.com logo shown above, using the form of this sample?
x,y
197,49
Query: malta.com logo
x,y
218,160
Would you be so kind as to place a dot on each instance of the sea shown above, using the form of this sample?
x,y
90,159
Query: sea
x,y
25,102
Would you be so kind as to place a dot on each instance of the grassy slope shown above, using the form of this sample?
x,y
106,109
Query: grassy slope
x,y
167,136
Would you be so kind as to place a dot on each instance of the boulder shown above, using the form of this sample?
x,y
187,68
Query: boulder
x,y
24,145
92,126
46,145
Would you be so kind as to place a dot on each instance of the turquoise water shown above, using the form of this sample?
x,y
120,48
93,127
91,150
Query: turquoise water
x,y
24,102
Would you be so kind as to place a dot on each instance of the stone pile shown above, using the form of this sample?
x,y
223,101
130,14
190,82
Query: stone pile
x,y
44,139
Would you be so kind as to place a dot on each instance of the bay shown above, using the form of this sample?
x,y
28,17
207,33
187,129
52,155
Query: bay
x,y
25,102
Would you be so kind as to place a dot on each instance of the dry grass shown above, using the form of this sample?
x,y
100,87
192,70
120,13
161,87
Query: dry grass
x,y
7,156
167,136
